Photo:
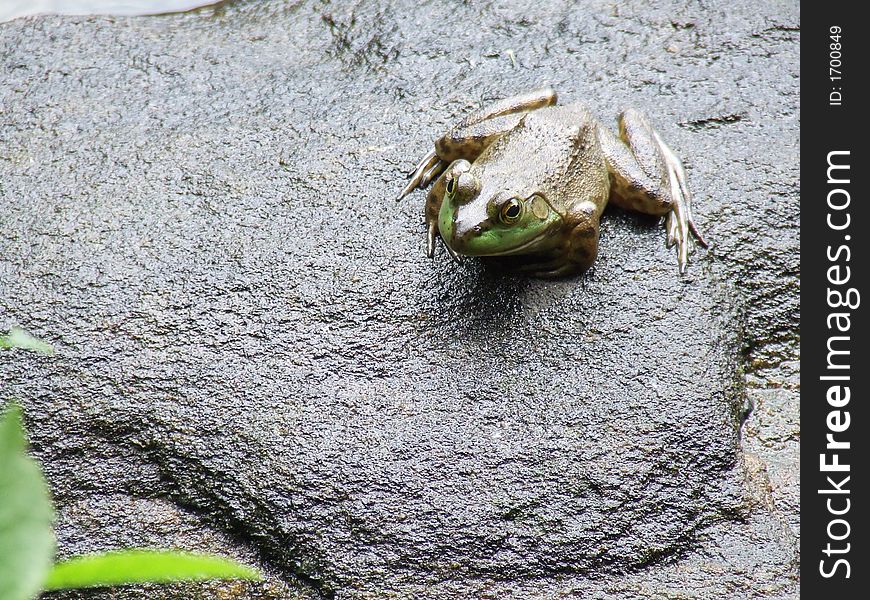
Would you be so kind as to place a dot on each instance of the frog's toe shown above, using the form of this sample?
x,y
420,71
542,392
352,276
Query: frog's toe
x,y
671,230
426,170
431,236
405,191
433,173
698,237
457,258
679,227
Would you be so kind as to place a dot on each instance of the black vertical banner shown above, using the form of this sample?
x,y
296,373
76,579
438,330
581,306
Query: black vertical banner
x,y
835,227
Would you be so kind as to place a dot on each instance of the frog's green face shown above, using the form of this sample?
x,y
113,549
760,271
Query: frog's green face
x,y
497,224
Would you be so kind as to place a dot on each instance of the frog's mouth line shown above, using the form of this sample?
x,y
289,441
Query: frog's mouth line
x,y
522,247
532,243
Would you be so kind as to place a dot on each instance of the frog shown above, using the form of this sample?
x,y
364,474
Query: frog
x,y
526,180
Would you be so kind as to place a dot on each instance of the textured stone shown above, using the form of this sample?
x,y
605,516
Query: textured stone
x,y
198,213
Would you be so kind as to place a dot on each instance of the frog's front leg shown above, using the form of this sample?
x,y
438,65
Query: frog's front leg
x,y
468,138
647,176
433,206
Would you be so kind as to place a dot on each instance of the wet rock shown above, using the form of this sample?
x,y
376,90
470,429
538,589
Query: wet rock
x,y
197,212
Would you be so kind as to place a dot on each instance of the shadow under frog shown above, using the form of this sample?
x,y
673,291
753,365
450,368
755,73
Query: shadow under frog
x,y
491,306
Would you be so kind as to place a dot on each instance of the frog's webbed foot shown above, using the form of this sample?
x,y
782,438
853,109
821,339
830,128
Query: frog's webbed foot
x,y
679,222
648,177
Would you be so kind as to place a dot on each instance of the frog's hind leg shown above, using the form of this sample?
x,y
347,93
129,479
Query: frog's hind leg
x,y
648,177
468,138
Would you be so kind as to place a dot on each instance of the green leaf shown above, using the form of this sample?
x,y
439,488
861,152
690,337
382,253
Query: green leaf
x,y
143,566
18,338
26,515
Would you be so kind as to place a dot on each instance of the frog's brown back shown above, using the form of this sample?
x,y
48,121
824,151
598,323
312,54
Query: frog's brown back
x,y
552,151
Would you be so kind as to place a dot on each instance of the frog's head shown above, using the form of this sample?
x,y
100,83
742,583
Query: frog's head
x,y
491,224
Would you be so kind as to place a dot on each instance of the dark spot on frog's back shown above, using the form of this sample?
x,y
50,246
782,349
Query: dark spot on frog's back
x,y
585,231
452,148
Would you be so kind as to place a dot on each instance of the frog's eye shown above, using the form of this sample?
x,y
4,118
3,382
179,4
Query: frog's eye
x,y
451,186
511,211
